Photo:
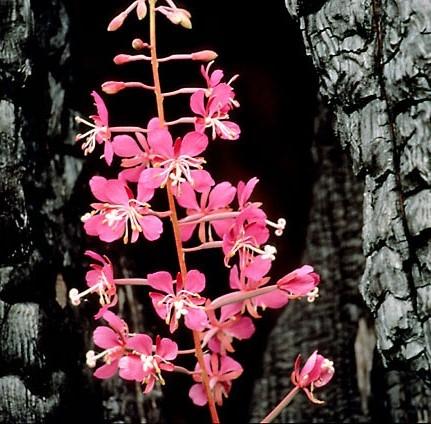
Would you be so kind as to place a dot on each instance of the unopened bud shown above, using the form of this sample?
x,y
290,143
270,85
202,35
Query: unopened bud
x,y
117,22
113,87
120,59
180,17
141,9
186,22
138,44
204,56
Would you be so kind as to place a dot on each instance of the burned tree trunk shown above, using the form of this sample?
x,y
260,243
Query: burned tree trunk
x,y
373,58
40,356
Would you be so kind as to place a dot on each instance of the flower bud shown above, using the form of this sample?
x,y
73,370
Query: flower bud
x,y
120,59
138,44
117,22
113,87
141,9
204,56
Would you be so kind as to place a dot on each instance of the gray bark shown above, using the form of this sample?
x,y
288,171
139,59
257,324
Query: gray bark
x,y
39,363
43,376
372,59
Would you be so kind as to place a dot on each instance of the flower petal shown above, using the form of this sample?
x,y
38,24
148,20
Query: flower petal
x,y
141,343
193,144
105,337
125,146
195,281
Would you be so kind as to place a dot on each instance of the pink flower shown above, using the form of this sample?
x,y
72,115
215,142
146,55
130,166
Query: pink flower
x,y
316,372
221,371
177,161
111,219
100,280
247,234
252,278
113,339
301,282
99,131
223,91
244,192
136,155
214,113
222,331
213,201
184,300
145,366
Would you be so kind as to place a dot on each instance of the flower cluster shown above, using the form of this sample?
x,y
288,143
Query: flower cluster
x,y
204,214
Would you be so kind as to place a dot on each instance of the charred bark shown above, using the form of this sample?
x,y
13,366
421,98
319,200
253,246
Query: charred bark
x,y
372,59
42,339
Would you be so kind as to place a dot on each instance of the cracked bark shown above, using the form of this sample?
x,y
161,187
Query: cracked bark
x,y
43,377
372,59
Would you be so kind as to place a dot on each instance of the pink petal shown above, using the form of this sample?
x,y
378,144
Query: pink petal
x,y
187,231
95,256
105,337
142,343
234,281
187,197
115,322
197,103
167,349
92,277
197,395
106,371
258,268
195,281
116,192
98,188
242,329
153,177
229,365
196,319
144,194
152,227
228,311
245,191
92,225
202,180
275,299
193,144
131,368
221,195
160,141
109,234
153,124
160,308
108,152
131,174
309,366
125,146
162,281
101,108
222,227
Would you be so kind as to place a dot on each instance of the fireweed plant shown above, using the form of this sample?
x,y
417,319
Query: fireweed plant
x,y
167,156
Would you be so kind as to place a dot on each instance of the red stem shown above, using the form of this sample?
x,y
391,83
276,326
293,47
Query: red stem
x,y
174,218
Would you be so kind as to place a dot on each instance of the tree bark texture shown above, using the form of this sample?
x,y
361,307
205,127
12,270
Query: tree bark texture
x,y
43,340
373,60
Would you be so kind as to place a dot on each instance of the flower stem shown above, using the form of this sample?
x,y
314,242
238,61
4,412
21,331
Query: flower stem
x,y
277,410
174,218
